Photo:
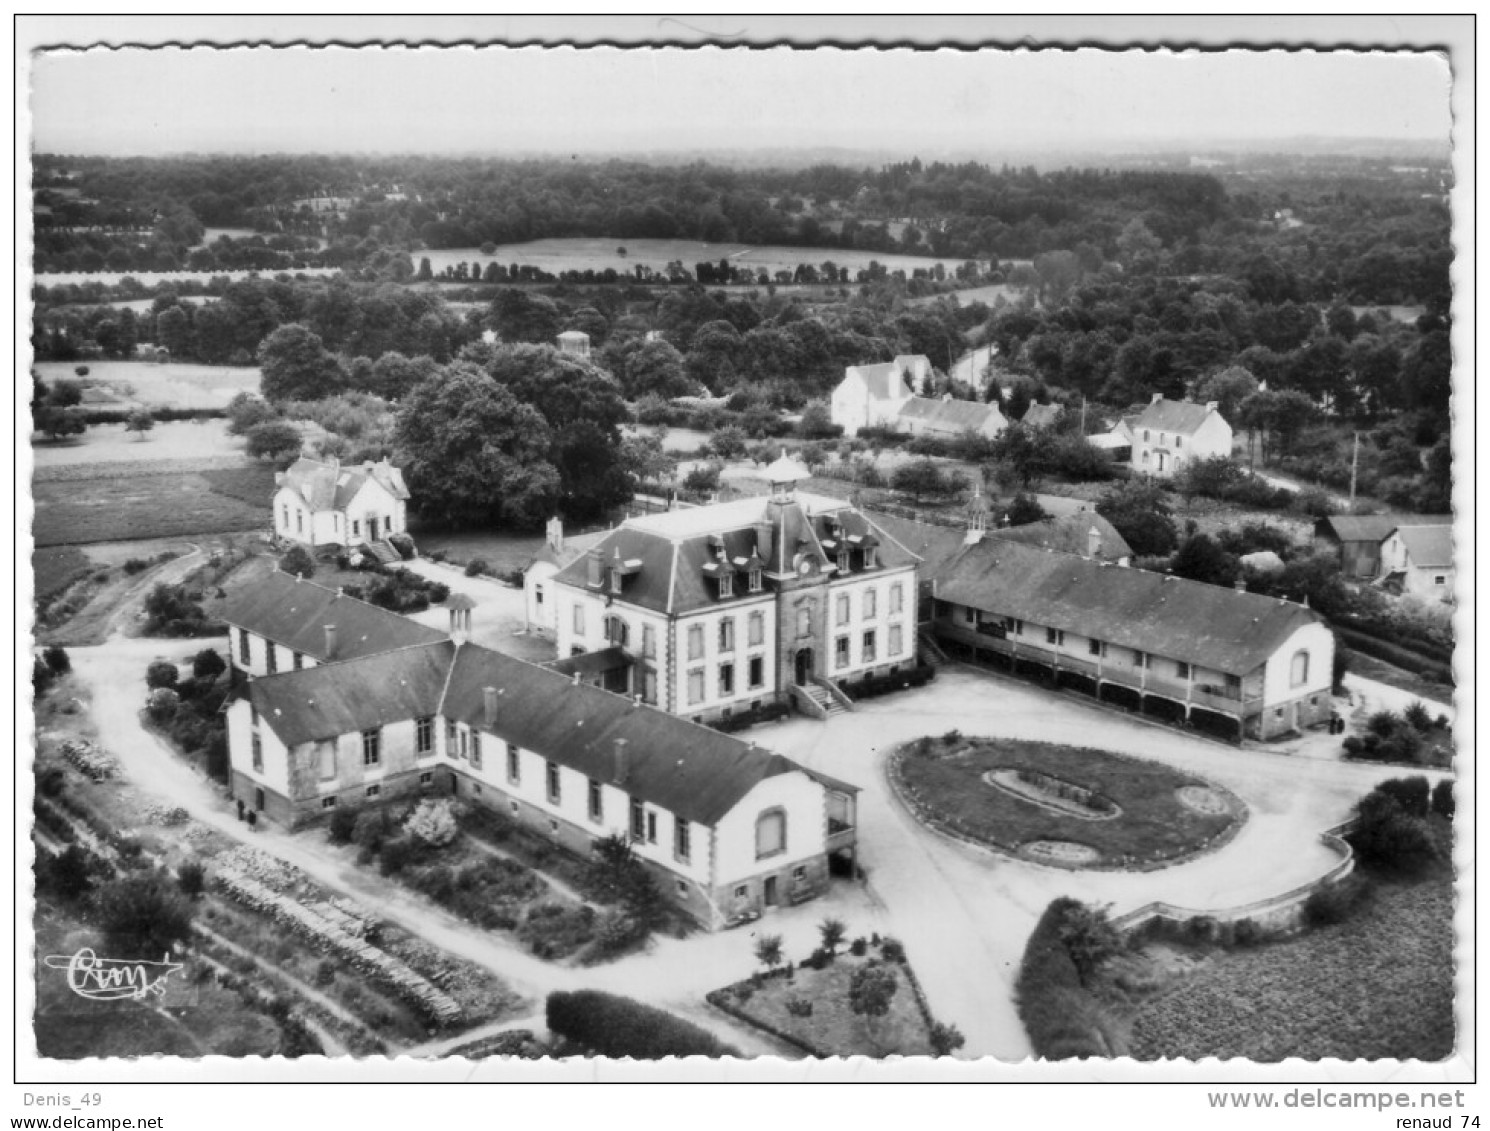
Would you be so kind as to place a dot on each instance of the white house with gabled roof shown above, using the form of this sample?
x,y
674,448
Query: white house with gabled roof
x,y
1167,435
871,396
330,504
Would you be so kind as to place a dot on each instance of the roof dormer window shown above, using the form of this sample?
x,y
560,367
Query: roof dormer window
x,y
843,561
615,581
869,562
726,585
755,581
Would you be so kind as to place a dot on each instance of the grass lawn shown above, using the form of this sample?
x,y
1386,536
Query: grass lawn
x,y
833,1028
177,384
57,567
1378,986
1369,667
945,787
118,503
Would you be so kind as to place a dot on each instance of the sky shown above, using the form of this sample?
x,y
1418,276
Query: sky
x,y
174,100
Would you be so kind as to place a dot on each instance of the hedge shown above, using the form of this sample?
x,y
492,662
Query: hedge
x,y
765,713
613,1026
160,413
871,686
1396,655
1061,1017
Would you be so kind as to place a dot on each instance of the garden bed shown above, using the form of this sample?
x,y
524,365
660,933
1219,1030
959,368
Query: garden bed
x,y
943,782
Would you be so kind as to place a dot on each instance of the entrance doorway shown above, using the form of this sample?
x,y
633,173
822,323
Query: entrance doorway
x,y
372,528
804,666
770,892
259,800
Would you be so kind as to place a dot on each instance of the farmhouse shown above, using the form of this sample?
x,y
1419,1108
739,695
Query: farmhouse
x,y
1358,538
1420,559
324,505
1087,534
1247,665
947,419
1041,416
281,623
723,825
557,552
870,396
1169,434
727,607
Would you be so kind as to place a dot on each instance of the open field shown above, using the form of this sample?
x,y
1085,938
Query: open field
x,y
989,294
176,384
169,440
141,305
1378,986
557,255
123,502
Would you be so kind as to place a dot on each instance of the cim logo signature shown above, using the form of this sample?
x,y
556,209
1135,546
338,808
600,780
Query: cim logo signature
x,y
110,979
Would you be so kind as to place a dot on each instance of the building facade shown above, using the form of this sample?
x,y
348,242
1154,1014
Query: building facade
x,y
1167,435
323,505
870,396
728,607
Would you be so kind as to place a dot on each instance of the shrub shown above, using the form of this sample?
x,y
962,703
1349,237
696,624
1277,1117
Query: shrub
x,y
325,972
370,829
799,1007
476,567
859,947
162,673
191,878
1443,799
1062,1018
143,915
57,659
298,562
1389,838
946,1039
892,950
208,665
1410,794
1333,904
133,566
395,855
1416,715
614,1026
433,823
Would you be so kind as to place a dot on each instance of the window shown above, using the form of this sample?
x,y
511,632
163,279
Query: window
x,y
869,561
615,581
328,803
649,686
374,790
427,778
1179,441
680,839
553,827
638,819
286,511
1055,636
756,628
299,522
1145,435
840,652
245,651
804,620
356,528
1300,673
514,764
579,620
271,659
755,581
871,601
617,632
372,747
742,892
554,792
726,585
514,806
897,597
594,802
450,746
695,642
463,747
651,828
1014,627
696,686
258,749
770,833
897,641
1234,684
538,595
1096,648
475,750
799,873
1182,670
424,735
1440,578
843,609
253,715
682,887
868,656
649,641
298,661
727,634
969,614
757,671
1140,659
842,561
328,761
726,679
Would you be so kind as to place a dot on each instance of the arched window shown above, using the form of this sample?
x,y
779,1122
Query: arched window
x,y
617,632
1300,673
770,833
804,620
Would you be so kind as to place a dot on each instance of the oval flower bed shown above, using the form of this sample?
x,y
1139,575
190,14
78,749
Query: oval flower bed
x,y
947,785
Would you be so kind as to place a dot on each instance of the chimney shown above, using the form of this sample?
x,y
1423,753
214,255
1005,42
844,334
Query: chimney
x,y
1241,584
1212,406
1157,398
575,679
489,706
555,534
367,466
1093,543
330,641
596,566
620,769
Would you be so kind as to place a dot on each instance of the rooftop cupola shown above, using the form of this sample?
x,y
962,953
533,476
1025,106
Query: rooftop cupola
x,y
783,476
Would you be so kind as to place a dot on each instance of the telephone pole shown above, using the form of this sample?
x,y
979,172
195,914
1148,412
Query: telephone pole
x,y
1355,458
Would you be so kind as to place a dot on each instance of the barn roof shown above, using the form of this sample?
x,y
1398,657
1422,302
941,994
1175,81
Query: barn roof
x,y
1428,547
1183,417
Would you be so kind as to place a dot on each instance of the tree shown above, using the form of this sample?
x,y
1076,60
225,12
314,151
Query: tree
x,y
297,366
433,823
57,659
1141,514
646,461
922,478
729,443
1023,453
278,440
245,410
162,673
207,665
656,367
1089,937
768,951
139,421
1025,509
70,874
173,331
1200,559
870,991
1228,387
144,915
832,932
58,423
702,479
298,562
473,453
